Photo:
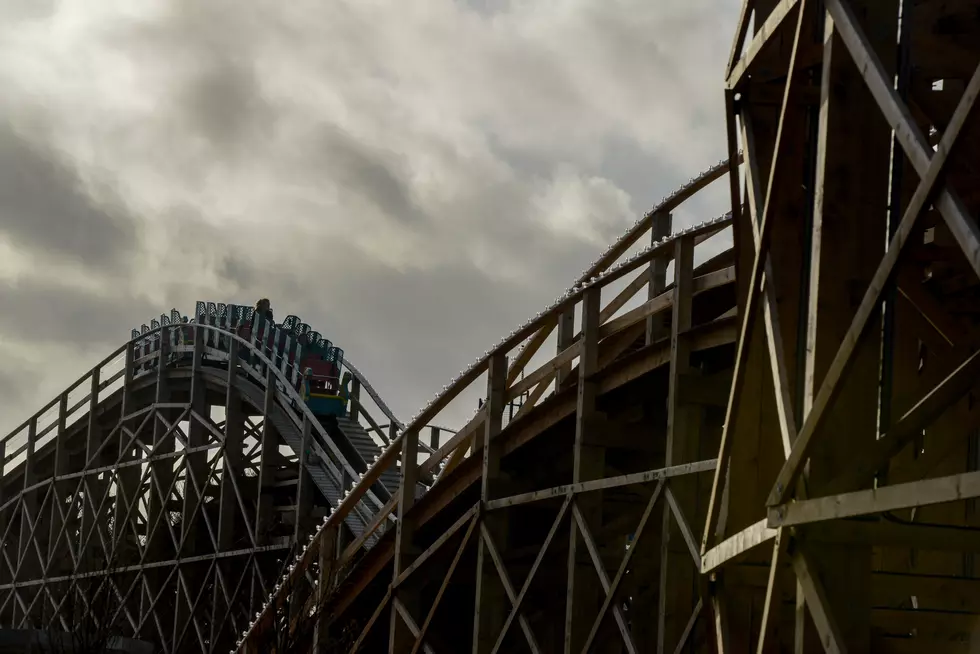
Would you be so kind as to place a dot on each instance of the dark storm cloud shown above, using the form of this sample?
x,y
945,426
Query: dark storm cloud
x,y
224,102
50,313
18,382
371,173
411,331
348,162
44,206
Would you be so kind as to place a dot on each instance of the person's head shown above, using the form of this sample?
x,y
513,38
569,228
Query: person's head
x,y
262,306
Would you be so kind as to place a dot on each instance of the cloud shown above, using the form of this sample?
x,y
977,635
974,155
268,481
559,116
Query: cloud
x,y
45,313
414,179
46,205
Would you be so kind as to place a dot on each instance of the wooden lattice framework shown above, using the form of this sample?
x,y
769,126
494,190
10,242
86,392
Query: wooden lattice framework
x,y
158,497
856,254
682,333
805,400
846,456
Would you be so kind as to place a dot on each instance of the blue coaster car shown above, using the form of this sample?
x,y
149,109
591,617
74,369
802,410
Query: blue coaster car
x,y
323,395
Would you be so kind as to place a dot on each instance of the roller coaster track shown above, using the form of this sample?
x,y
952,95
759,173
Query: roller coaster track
x,y
35,452
375,397
532,333
155,356
821,370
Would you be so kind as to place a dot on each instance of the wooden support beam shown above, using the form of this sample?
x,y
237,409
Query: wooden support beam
x,y
488,617
516,607
621,571
657,281
676,579
831,636
831,385
763,36
588,464
405,548
734,546
885,498
566,336
605,483
907,132
752,301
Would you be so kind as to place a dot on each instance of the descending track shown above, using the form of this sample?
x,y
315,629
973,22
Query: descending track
x,y
772,448
198,459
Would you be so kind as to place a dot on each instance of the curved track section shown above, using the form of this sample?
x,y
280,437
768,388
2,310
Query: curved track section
x,y
525,342
162,492
375,397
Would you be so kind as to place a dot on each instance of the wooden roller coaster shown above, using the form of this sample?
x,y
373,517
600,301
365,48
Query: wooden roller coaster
x,y
756,434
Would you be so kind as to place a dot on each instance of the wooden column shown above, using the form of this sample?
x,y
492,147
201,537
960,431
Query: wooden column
x,y
232,461
195,479
662,223
27,563
59,559
124,549
849,232
93,487
589,462
355,394
677,569
566,334
159,544
406,550
490,609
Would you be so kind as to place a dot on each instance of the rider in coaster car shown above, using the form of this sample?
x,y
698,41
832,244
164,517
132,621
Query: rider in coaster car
x,y
264,309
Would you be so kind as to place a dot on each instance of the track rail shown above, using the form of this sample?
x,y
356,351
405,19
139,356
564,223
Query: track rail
x,y
599,274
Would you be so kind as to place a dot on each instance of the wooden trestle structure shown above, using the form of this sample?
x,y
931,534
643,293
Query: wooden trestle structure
x,y
774,448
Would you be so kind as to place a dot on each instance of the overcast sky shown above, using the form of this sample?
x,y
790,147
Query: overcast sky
x,y
414,179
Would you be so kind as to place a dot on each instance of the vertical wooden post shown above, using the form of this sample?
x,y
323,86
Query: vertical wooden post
x,y
589,462
355,395
661,228
566,334
405,548
59,560
488,613
232,455
327,557
27,562
5,576
92,486
267,456
676,567
434,433
124,547
195,469
304,486
159,545
849,233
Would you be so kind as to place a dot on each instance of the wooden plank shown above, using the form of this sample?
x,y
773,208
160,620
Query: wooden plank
x,y
823,618
907,132
588,463
772,26
740,33
844,357
605,483
885,498
657,276
445,583
489,603
682,433
516,607
736,545
765,231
